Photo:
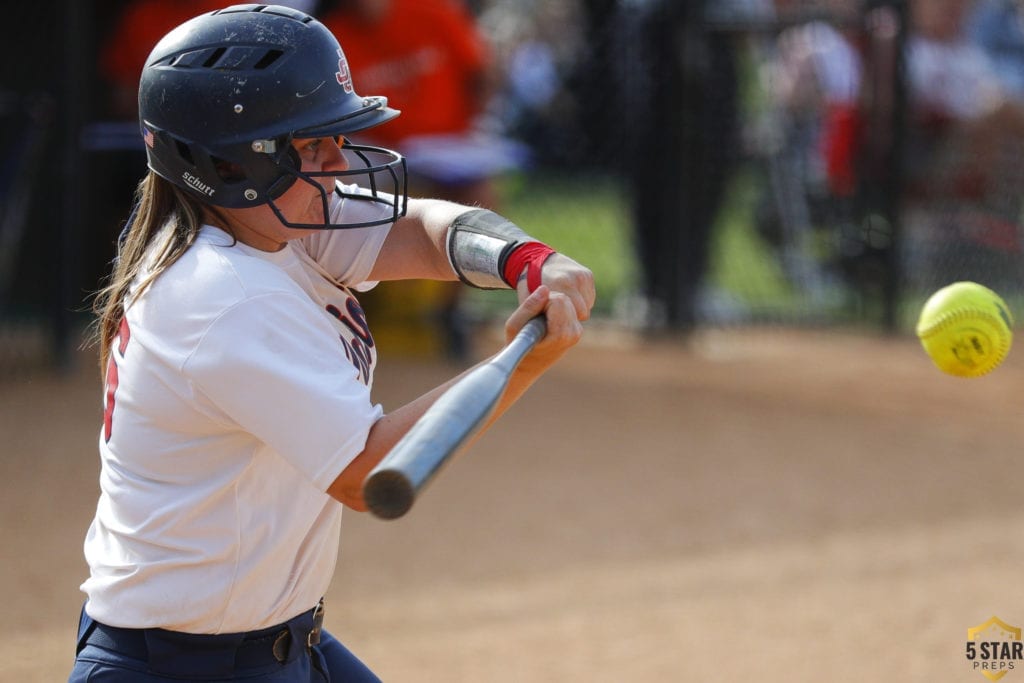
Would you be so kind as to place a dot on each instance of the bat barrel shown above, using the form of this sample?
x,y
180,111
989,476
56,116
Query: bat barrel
x,y
388,493
392,486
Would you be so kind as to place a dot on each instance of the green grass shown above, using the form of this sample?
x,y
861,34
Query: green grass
x,y
584,217
587,217
740,261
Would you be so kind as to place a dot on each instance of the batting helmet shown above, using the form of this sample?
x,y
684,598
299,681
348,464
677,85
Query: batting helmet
x,y
223,95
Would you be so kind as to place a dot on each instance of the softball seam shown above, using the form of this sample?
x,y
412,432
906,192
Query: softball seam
x,y
947,319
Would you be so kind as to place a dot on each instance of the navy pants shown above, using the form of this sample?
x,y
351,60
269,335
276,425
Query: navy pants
x,y
275,655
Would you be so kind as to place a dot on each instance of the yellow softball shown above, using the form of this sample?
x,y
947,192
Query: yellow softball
x,y
966,329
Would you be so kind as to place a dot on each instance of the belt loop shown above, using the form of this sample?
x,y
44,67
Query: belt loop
x,y
304,629
318,625
282,646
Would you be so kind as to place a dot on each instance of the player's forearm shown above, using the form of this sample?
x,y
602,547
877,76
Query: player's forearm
x,y
415,247
384,434
563,332
391,427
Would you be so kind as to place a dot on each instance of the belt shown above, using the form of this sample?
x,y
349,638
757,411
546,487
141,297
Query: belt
x,y
191,654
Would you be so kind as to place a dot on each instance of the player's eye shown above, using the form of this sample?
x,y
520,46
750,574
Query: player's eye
x,y
314,144
312,148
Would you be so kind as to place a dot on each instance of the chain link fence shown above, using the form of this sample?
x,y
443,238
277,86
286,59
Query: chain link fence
x,y
740,162
754,151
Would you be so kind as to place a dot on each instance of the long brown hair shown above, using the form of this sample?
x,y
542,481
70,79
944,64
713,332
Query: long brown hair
x,y
157,204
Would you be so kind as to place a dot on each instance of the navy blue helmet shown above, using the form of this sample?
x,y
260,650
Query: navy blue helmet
x,y
223,95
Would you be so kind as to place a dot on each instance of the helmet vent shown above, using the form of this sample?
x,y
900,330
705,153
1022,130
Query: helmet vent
x,y
235,58
184,152
214,57
227,171
268,59
280,11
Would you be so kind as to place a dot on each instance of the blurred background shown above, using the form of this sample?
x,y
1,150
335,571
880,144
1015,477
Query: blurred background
x,y
747,471
740,162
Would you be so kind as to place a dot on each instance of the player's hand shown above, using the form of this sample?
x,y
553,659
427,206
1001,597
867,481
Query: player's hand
x,y
562,275
563,327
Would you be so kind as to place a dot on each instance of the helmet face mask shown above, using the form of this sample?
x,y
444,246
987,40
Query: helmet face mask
x,y
223,96
378,169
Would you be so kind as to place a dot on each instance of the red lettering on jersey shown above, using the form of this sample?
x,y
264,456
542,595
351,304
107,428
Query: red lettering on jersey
x,y
123,335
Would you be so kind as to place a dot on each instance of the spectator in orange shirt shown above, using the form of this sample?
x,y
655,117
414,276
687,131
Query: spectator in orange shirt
x,y
432,62
426,56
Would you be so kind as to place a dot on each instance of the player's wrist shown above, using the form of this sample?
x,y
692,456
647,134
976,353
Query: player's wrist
x,y
526,260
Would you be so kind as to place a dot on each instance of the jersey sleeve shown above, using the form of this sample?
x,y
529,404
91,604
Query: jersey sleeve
x,y
282,375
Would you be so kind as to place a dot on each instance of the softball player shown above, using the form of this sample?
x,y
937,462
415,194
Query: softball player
x,y
238,362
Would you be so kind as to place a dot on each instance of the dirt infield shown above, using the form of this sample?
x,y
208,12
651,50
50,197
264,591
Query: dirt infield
x,y
750,506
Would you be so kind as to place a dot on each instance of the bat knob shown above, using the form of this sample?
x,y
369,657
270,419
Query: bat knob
x,y
388,494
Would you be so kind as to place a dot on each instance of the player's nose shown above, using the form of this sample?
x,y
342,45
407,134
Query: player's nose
x,y
335,159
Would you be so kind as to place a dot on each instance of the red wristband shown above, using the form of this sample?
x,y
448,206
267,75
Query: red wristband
x,y
530,256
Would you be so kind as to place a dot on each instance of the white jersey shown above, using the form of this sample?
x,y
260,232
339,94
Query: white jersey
x,y
238,390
